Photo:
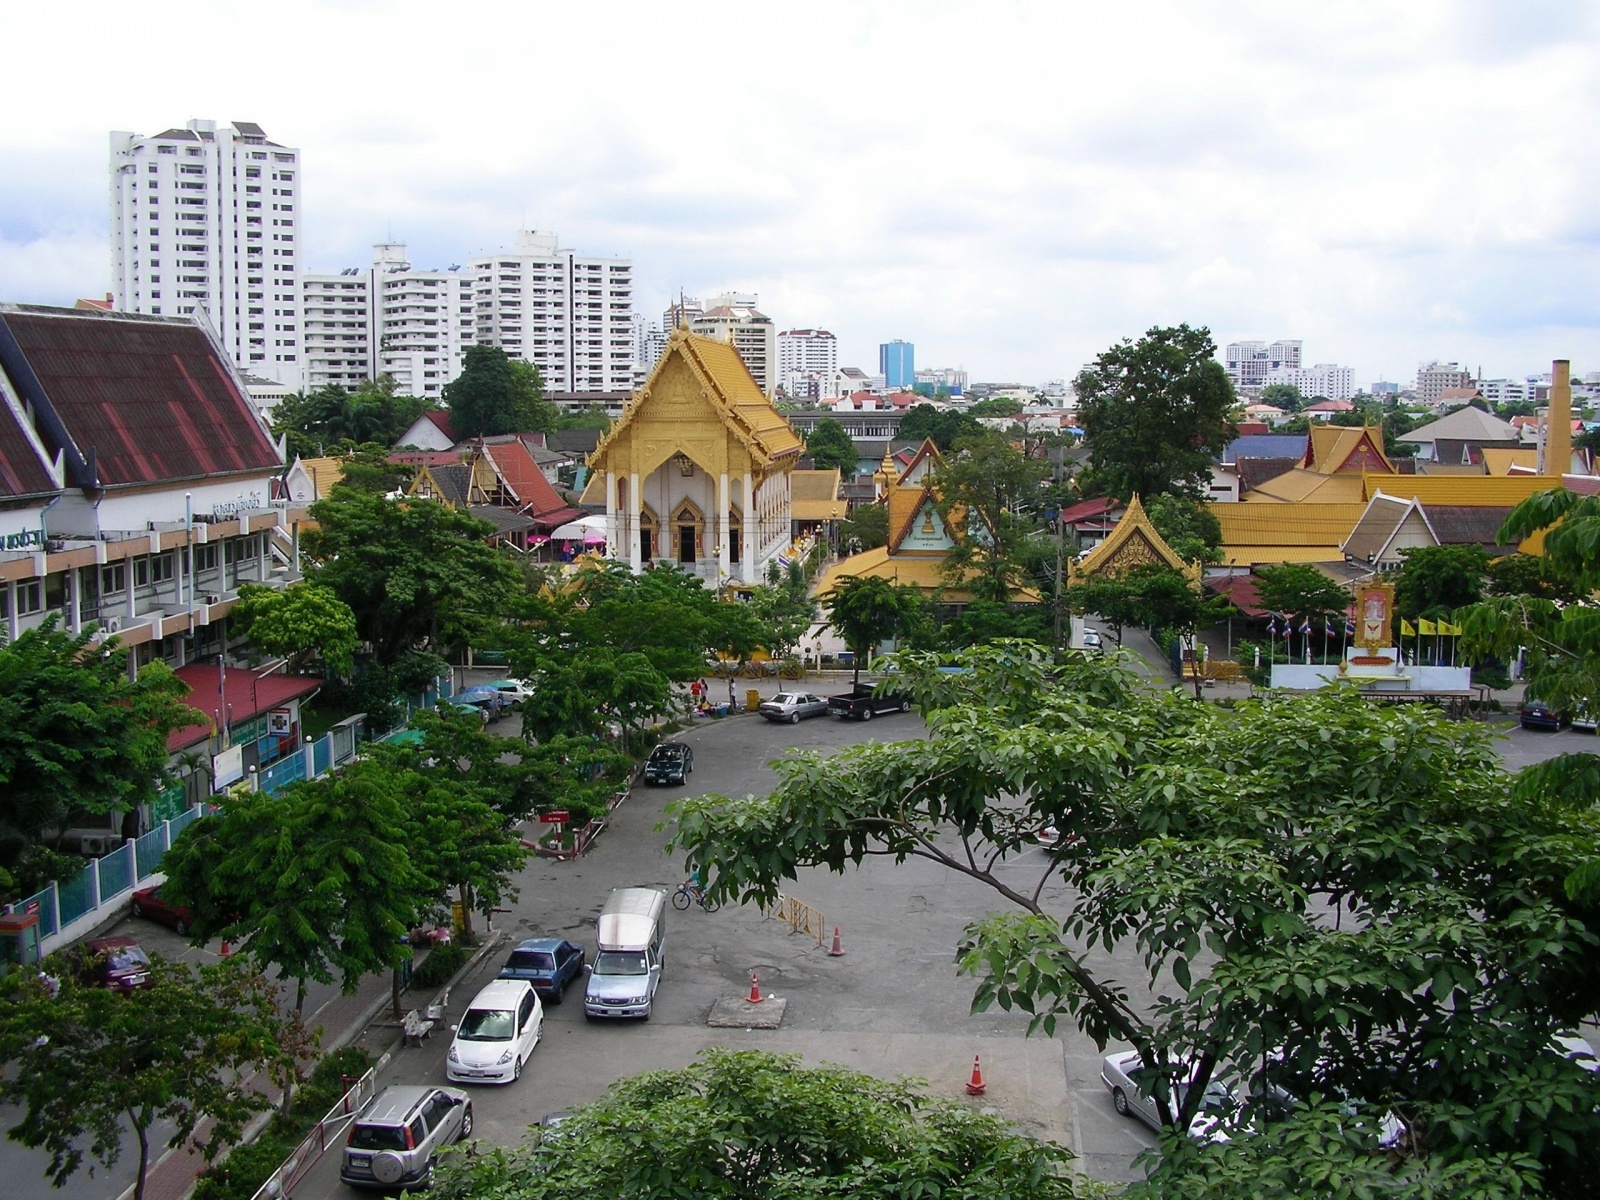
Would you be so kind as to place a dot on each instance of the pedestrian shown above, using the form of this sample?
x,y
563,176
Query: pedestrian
x,y
730,693
696,690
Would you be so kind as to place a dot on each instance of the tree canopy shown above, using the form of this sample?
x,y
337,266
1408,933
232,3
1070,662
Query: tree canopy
x,y
866,528
830,447
1434,581
867,611
1300,590
331,418
1155,413
984,490
496,394
744,1123
302,623
1188,526
1331,898
945,426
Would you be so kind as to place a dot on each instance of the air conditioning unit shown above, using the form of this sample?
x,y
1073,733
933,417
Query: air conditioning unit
x,y
213,598
113,624
93,843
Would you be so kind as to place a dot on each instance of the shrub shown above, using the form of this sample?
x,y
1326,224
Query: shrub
x,y
440,966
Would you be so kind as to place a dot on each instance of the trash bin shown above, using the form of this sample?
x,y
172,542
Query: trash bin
x,y
752,700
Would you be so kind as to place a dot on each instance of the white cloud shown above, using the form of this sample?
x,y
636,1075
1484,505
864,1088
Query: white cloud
x,y
1012,186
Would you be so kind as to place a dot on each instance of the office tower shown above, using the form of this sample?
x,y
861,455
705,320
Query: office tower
x,y
897,363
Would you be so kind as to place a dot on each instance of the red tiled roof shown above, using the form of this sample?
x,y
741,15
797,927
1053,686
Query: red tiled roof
x,y
425,458
147,400
440,419
242,695
1240,591
522,476
1084,509
22,471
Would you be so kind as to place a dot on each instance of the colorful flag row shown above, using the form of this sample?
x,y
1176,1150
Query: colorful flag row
x,y
1429,628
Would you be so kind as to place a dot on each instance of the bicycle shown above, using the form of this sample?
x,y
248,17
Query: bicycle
x,y
692,893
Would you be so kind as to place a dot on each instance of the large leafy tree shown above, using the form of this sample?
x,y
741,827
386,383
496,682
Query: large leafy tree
x,y
1331,898
739,1124
84,1063
867,610
1188,526
1434,581
1300,590
76,732
302,623
1156,413
985,491
331,418
944,426
866,528
830,446
415,573
496,394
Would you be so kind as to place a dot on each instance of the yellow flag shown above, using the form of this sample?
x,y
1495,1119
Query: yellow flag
x,y
1449,630
1405,628
1426,627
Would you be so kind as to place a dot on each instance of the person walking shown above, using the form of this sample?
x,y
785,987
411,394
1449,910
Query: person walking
x,y
731,693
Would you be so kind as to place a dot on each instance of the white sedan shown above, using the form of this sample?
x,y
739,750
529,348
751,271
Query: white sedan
x,y
791,706
1124,1076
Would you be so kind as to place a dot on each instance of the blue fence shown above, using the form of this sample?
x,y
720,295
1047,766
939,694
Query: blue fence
x,y
285,771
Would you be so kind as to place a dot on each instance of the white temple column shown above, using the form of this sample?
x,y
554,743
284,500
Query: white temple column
x,y
722,534
635,558
611,514
751,531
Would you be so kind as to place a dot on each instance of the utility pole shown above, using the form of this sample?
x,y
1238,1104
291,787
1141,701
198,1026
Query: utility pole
x,y
1054,515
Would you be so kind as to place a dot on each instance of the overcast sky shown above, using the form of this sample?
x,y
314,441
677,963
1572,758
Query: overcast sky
x,y
1010,186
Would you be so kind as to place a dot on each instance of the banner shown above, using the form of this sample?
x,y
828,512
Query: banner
x,y
1426,627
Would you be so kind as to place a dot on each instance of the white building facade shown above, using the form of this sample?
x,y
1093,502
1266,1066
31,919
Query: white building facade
x,y
207,219
1249,363
1437,378
808,364
1328,380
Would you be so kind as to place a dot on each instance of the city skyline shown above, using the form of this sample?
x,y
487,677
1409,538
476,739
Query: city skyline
x,y
1256,170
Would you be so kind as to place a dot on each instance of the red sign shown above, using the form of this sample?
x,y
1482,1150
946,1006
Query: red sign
x,y
556,816
31,907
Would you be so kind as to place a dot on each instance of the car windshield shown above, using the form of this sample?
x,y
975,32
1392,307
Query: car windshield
x,y
487,1025
123,958
620,962
525,960
378,1137
666,754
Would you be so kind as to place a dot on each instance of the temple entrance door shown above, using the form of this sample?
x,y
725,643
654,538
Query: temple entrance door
x,y
686,544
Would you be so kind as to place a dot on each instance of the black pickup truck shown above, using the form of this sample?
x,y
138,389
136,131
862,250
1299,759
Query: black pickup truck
x,y
859,704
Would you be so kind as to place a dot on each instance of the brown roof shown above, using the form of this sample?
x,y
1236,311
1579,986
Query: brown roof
x,y
1253,472
1465,524
522,475
136,399
23,472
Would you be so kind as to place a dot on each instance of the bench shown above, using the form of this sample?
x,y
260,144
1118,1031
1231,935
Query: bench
x,y
415,1028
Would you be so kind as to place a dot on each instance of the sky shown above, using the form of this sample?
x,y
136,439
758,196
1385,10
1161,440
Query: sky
x,y
1012,187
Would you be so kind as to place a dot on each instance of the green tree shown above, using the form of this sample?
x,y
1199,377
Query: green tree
x,y
86,1062
866,528
1528,575
496,394
867,611
76,733
324,421
584,693
1300,590
996,406
591,416
1156,413
1190,527
366,468
1434,581
983,490
944,426
1283,395
415,573
1330,897
744,1123
1168,600
830,446
301,622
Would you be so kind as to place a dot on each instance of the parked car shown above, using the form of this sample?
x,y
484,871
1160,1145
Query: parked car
x,y
1536,714
791,706
1587,716
512,691
149,902
1124,1076
396,1137
1091,641
860,704
550,964
118,963
669,762
483,697
499,1030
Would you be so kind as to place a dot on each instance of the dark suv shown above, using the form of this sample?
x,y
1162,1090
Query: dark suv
x,y
397,1135
670,762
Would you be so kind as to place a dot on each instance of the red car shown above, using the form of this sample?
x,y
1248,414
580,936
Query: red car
x,y
147,902
117,963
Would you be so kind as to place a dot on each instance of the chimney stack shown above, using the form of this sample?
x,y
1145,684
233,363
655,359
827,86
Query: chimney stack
x,y
1557,448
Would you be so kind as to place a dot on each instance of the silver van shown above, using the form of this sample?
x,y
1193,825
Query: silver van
x,y
627,967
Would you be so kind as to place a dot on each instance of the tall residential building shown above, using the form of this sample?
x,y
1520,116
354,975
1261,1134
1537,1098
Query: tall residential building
x,y
1328,380
570,316
207,219
897,363
1250,363
808,364
388,319
681,312
735,318
1435,378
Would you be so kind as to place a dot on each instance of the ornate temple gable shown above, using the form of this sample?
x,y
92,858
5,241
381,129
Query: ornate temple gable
x,y
1133,543
1341,450
925,529
922,464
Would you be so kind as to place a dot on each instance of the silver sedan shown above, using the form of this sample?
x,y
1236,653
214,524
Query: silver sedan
x,y
1124,1076
791,706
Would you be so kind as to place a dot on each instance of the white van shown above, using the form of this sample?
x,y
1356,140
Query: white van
x,y
498,1031
627,968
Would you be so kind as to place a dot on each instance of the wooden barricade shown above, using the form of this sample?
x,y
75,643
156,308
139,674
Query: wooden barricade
x,y
799,916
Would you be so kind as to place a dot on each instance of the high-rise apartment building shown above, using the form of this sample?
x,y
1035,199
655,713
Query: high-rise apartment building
x,y
570,316
735,318
1435,378
207,219
808,364
388,319
1250,363
1328,380
897,363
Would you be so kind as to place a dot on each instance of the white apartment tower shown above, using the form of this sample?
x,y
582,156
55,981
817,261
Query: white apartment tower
x,y
1436,378
808,364
735,318
1249,363
207,219
570,316
337,329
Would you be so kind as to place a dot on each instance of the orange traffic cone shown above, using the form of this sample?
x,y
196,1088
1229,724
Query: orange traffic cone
x,y
976,1086
838,946
755,990
226,949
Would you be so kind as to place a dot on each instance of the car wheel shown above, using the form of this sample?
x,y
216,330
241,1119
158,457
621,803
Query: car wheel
x,y
866,714
555,995
137,910
466,1122
905,706
179,927
1119,1101
794,718
516,1069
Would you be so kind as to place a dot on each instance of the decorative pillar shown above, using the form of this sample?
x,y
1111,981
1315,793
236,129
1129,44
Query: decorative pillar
x,y
611,512
635,559
722,531
753,531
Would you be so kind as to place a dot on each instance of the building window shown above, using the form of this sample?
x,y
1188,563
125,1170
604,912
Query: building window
x,y
30,598
205,558
160,568
113,578
141,572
